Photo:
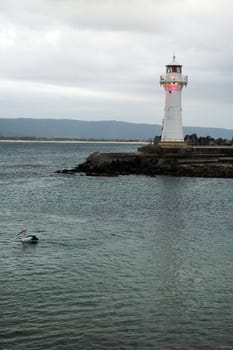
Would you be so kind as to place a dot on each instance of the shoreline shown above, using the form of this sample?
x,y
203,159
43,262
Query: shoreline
x,y
76,141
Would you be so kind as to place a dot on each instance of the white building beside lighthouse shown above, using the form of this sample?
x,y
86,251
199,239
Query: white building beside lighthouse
x,y
173,82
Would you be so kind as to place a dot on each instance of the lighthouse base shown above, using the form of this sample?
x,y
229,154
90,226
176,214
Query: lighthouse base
x,y
173,144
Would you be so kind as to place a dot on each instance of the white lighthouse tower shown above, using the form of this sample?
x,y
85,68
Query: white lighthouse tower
x,y
173,82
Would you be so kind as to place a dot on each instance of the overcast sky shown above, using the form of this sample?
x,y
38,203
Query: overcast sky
x,y
102,59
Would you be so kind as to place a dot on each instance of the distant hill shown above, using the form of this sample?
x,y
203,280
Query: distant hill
x,y
116,130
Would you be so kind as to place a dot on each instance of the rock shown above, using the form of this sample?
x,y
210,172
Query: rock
x,y
154,160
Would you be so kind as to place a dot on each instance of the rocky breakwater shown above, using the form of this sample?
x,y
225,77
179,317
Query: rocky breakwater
x,y
155,160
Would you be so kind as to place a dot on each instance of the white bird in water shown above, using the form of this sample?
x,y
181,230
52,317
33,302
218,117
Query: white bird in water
x,y
27,238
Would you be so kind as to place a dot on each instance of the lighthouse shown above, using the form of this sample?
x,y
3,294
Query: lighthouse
x,y
173,82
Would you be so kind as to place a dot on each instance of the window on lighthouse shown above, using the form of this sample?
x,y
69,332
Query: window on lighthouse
x,y
173,69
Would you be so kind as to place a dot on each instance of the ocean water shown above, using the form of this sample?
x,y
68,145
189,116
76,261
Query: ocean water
x,y
128,262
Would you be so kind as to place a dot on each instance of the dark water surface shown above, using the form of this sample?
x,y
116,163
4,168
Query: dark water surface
x,y
122,263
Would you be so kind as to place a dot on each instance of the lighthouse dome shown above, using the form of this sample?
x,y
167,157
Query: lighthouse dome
x,y
174,62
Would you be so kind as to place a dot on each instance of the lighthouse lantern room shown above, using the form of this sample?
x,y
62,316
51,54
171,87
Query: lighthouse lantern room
x,y
173,82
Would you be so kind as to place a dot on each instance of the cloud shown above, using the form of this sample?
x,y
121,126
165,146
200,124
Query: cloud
x,y
105,57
